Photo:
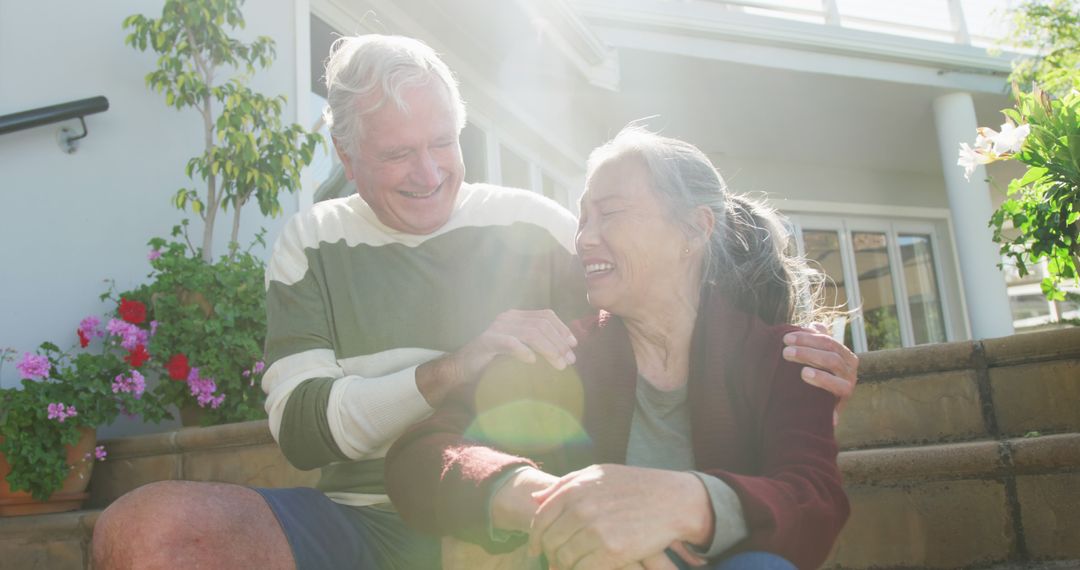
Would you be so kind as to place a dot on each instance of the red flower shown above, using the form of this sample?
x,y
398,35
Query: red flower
x,y
83,341
133,312
178,367
137,356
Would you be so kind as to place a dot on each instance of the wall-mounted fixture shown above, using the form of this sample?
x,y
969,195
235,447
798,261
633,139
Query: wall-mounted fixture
x,y
66,138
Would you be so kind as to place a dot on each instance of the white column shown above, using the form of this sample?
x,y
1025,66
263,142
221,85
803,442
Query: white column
x,y
969,202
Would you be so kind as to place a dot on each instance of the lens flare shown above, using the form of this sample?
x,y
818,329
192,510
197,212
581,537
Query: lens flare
x,y
528,408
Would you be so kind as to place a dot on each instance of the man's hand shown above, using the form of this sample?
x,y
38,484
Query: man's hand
x,y
521,334
830,365
611,516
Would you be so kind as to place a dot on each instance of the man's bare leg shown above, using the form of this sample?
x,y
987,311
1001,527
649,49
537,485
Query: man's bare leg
x,y
180,524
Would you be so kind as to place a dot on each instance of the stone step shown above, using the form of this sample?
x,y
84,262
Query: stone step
x,y
963,391
1056,565
58,541
1010,503
962,505
933,462
241,453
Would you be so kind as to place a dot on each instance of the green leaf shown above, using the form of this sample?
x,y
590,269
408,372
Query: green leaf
x,y
1033,173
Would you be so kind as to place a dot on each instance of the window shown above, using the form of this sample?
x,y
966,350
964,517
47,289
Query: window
x,y
490,158
1030,308
886,270
474,153
875,280
920,277
514,169
823,246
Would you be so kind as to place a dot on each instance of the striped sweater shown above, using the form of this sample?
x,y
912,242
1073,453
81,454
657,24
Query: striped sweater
x,y
353,307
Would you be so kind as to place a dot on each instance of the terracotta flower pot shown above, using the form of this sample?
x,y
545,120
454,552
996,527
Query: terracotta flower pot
x,y
68,498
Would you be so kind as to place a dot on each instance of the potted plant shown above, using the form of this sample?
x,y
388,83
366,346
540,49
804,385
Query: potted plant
x,y
216,304
209,356
47,426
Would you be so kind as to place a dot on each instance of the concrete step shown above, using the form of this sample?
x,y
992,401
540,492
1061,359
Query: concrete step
x,y
964,391
962,505
58,541
1009,503
937,472
241,453
1058,565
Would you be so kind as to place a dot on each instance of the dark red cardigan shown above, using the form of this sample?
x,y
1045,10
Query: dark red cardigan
x,y
756,425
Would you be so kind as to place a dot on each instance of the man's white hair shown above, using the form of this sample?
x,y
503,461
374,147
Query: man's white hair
x,y
376,68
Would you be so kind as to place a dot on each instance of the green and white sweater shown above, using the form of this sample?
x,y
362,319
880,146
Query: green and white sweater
x,y
353,307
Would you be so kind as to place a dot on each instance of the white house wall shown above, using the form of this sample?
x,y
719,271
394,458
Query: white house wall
x,y
69,222
784,178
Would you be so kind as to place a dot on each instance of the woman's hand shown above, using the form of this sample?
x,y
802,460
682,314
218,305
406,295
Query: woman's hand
x,y
611,516
513,506
830,365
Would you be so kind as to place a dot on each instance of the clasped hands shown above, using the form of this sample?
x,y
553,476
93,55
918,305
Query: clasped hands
x,y
607,516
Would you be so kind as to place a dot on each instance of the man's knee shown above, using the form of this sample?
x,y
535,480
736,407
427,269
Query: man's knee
x,y
124,531
163,521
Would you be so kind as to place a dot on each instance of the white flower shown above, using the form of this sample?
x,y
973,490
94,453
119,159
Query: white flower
x,y
985,138
1011,138
971,158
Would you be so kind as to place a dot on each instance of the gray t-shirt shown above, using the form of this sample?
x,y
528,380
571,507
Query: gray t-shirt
x,y
660,439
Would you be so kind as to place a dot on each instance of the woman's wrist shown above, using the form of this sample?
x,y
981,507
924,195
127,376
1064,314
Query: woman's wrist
x,y
699,521
512,507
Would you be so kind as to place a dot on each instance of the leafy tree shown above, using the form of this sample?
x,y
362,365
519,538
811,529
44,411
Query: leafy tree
x,y
1051,28
248,154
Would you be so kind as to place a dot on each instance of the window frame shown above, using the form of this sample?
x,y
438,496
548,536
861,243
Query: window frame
x,y
844,226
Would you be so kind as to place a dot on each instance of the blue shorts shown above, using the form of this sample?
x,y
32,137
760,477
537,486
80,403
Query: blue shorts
x,y
325,535
744,561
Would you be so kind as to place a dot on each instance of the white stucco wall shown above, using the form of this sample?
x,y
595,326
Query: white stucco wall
x,y
791,179
68,222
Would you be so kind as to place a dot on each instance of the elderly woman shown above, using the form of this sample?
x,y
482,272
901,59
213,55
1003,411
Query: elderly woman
x,y
680,436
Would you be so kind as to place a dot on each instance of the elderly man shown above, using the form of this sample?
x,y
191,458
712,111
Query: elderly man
x,y
378,306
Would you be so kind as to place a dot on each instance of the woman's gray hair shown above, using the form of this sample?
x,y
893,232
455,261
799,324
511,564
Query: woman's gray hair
x,y
747,255
374,64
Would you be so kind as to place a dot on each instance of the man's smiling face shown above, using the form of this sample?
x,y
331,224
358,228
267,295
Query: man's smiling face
x,y
408,166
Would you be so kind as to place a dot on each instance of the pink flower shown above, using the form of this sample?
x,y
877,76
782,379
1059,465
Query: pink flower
x,y
154,254
203,389
91,327
153,327
130,335
60,412
255,370
134,384
98,453
34,367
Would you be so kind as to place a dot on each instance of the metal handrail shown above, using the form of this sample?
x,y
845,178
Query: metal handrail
x,y
53,114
